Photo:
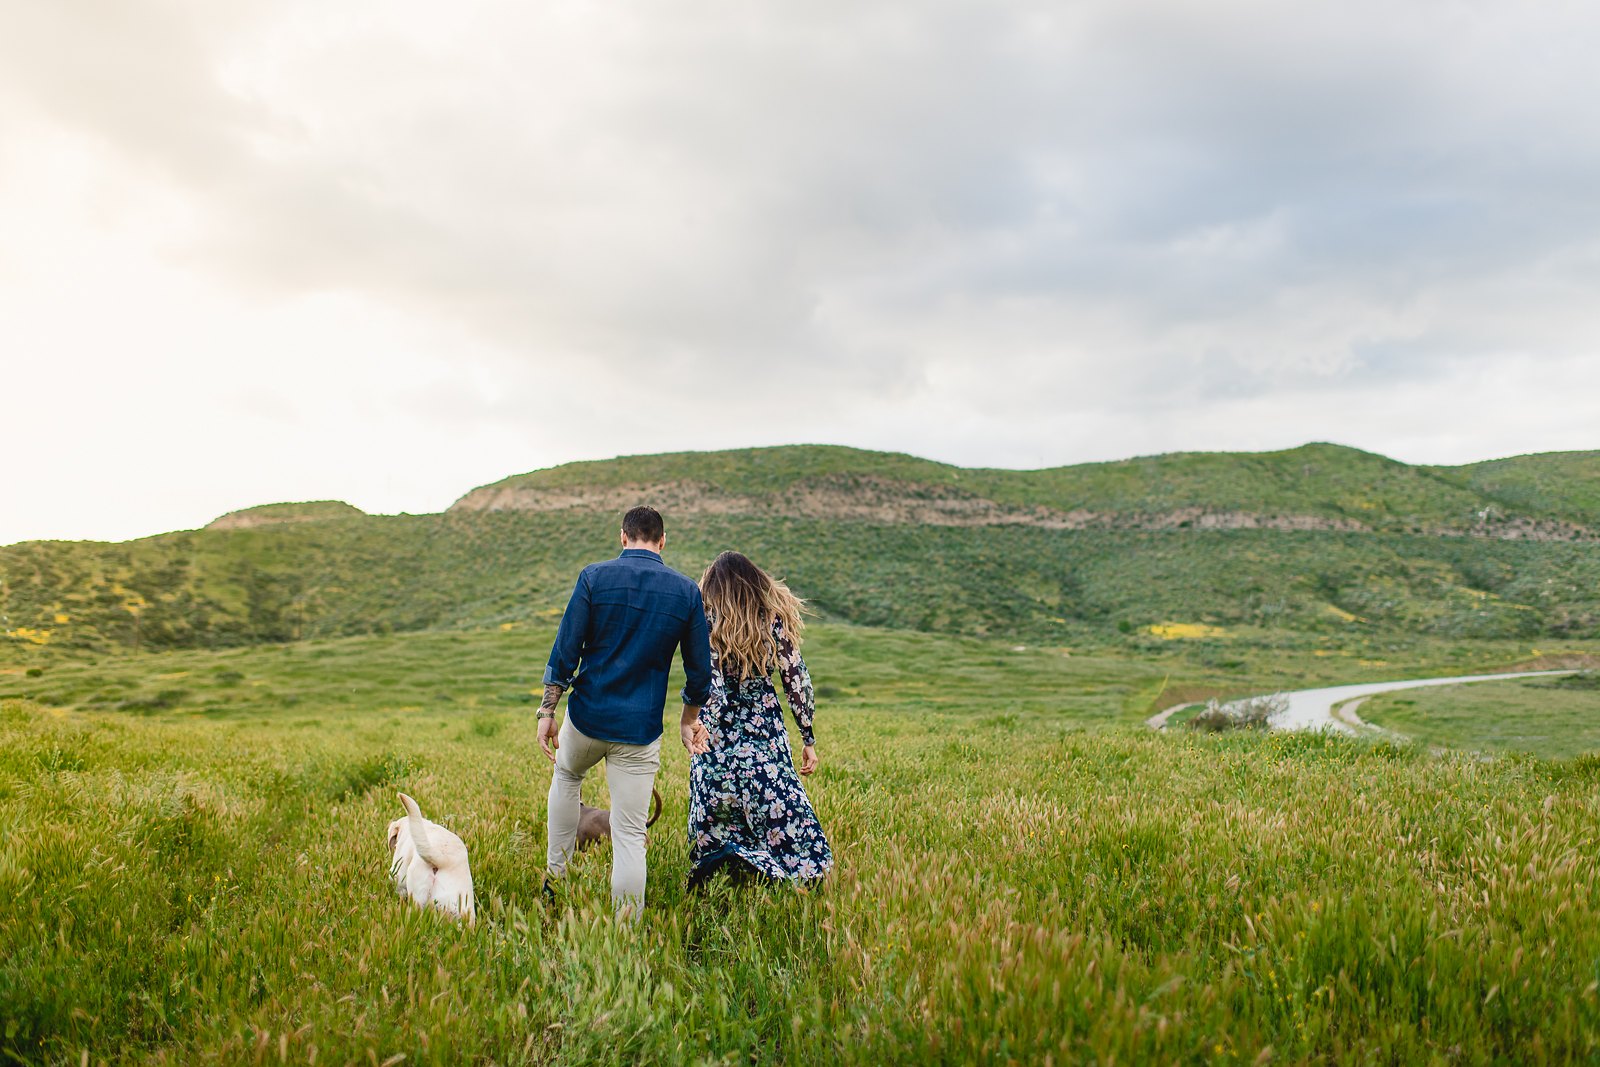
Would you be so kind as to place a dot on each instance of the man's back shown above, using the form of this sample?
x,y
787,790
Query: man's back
x,y
626,618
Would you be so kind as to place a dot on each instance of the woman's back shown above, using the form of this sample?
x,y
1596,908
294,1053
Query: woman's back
x,y
746,802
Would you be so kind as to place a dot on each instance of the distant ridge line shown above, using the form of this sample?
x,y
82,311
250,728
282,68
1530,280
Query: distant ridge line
x,y
1313,487
1317,486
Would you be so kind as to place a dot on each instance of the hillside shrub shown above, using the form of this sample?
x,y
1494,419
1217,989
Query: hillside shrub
x,y
165,700
1254,713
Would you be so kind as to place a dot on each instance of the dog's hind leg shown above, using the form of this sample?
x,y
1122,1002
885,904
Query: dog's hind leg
x,y
564,805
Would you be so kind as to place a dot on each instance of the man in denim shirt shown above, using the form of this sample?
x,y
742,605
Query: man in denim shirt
x,y
614,652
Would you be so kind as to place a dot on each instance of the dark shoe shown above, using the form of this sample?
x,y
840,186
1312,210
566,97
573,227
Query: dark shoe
x,y
735,870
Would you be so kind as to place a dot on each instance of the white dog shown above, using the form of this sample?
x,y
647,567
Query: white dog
x,y
430,863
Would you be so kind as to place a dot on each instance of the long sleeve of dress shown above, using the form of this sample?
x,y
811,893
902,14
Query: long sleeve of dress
x,y
796,684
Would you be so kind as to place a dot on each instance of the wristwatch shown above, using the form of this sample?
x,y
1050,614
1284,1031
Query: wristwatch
x,y
542,714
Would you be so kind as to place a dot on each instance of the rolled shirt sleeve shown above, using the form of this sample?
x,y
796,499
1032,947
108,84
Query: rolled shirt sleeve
x,y
567,651
696,649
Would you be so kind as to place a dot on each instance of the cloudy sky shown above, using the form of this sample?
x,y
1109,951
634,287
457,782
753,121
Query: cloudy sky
x,y
386,251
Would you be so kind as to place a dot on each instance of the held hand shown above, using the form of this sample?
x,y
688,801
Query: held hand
x,y
808,759
696,738
548,738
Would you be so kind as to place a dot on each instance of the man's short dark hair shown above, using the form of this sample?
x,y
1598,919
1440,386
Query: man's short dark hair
x,y
643,523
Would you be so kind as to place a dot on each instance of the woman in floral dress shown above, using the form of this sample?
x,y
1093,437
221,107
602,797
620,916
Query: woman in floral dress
x,y
748,811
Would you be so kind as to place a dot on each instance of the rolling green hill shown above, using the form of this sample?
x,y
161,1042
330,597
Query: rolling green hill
x,y
275,514
1559,483
1315,485
1323,544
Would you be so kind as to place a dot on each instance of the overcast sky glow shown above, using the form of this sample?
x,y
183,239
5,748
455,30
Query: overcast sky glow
x,y
385,251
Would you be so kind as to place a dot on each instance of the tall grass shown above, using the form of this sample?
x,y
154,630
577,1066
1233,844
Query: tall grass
x,y
1557,718
1022,878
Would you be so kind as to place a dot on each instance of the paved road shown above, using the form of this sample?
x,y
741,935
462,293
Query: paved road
x,y
1313,709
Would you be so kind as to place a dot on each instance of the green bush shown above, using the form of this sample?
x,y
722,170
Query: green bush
x,y
1252,713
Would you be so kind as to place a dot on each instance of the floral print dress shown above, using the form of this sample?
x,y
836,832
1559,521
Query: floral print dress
x,y
746,802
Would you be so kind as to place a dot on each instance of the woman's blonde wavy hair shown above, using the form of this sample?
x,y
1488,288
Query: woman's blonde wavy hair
x,y
743,601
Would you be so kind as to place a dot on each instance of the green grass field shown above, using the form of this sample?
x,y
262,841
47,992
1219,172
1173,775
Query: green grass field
x,y
193,870
1556,718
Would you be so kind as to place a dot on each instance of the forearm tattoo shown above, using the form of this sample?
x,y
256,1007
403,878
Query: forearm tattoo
x,y
552,693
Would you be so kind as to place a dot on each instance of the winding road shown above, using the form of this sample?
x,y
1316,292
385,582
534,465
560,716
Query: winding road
x,y
1333,707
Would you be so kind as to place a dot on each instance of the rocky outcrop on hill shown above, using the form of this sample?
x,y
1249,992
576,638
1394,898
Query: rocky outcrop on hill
x,y
867,499
1491,523
875,500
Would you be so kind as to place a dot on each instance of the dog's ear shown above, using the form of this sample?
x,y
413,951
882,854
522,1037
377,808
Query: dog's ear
x,y
394,833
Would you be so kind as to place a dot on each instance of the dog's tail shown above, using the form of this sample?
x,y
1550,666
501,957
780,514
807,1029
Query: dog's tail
x,y
655,809
419,833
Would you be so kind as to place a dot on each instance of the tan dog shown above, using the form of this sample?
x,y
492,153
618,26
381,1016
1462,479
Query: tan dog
x,y
595,823
430,864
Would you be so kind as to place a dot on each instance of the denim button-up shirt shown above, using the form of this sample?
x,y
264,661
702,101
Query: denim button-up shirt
x,y
614,649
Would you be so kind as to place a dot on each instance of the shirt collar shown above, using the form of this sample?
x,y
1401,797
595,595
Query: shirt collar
x,y
644,552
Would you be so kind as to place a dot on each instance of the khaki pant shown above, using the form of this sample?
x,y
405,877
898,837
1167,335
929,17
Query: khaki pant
x,y
631,773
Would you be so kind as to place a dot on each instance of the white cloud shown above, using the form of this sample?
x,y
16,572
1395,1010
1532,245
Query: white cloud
x,y
385,251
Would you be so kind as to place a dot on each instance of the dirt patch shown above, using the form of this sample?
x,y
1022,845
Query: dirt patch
x,y
1346,713
1158,721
